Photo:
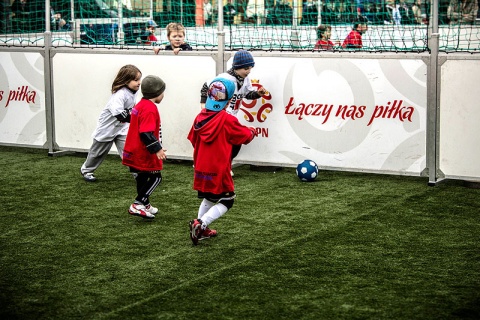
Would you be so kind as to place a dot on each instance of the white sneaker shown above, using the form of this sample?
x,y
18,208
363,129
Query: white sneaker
x,y
89,177
140,211
151,209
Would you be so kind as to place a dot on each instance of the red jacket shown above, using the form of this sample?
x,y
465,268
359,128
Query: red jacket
x,y
324,44
353,40
144,118
212,136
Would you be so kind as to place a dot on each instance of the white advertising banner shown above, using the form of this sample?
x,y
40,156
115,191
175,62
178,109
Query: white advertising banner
x,y
22,99
345,114
367,115
460,119
83,85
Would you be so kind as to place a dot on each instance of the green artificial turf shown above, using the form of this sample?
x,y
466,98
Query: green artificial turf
x,y
347,246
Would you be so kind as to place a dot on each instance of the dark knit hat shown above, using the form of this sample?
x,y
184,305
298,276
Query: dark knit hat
x,y
152,87
242,59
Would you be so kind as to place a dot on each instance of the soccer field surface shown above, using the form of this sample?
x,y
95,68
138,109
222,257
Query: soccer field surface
x,y
346,246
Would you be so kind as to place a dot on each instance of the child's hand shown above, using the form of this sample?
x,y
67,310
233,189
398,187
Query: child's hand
x,y
161,155
202,105
157,49
177,50
262,91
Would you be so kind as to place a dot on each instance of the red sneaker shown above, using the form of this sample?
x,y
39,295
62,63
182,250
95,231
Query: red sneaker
x,y
140,211
196,230
208,233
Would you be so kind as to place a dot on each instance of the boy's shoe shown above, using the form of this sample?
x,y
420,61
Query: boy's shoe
x,y
208,233
140,211
89,177
151,209
196,230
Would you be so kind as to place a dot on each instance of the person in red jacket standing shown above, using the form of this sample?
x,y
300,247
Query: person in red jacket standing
x,y
143,152
212,135
354,38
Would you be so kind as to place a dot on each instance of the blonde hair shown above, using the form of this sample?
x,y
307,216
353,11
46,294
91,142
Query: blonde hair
x,y
126,74
174,26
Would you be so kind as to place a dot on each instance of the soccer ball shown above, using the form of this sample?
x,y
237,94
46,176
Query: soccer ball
x,y
307,170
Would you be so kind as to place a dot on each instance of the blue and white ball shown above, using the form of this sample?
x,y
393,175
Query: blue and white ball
x,y
307,170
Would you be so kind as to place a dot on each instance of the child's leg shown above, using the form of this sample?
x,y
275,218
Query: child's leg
x,y
204,207
120,144
235,150
216,212
97,153
146,184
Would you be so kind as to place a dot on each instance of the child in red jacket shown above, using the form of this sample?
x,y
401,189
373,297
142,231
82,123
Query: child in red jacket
x,y
212,135
143,152
354,38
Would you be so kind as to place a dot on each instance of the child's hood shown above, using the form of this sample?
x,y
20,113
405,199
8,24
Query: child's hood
x,y
209,123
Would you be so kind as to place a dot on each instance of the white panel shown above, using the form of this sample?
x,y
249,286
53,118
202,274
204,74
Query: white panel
x,y
288,125
22,99
301,118
83,82
460,119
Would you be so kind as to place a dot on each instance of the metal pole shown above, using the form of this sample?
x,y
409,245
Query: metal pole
x,y
47,15
120,34
221,63
72,21
433,94
151,9
294,35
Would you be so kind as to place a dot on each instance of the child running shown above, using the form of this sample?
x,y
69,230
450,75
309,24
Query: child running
x,y
239,73
144,153
213,134
112,126
176,37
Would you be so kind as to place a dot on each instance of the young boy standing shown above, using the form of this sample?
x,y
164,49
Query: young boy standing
x,y
143,152
176,37
239,74
213,134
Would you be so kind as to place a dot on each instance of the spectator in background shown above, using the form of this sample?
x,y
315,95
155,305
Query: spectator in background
x,y
310,13
327,13
229,13
176,37
207,12
394,16
324,33
28,15
354,38
283,13
360,7
5,16
420,10
148,36
57,22
20,15
381,15
406,12
462,11
370,13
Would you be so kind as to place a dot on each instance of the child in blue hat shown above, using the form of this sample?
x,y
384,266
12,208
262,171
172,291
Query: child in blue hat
x,y
213,135
239,74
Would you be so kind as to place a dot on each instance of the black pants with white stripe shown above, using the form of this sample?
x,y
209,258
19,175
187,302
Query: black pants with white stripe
x,y
147,181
